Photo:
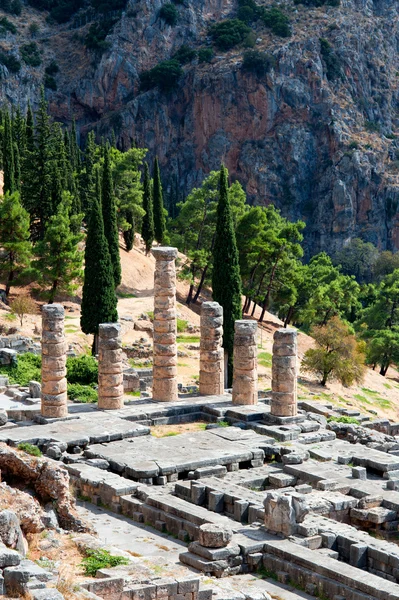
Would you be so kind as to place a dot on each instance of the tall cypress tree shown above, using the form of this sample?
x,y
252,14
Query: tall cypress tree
x,y
159,213
86,180
147,228
19,131
8,157
99,302
29,130
128,234
109,217
226,279
17,168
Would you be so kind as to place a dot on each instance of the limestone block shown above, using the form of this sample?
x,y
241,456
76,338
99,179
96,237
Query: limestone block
x,y
54,412
54,399
165,389
54,385
57,350
110,379
211,380
164,361
284,373
112,403
110,368
164,338
214,536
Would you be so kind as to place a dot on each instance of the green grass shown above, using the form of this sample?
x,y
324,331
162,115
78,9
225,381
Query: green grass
x,y
136,394
223,424
374,399
265,359
28,368
11,316
348,420
188,339
179,364
100,559
136,364
387,385
125,295
181,325
85,394
29,449
150,315
361,398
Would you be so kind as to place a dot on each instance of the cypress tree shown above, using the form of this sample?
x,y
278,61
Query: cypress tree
x,y
109,217
29,130
8,157
18,131
128,234
17,168
86,181
159,213
226,279
99,302
147,228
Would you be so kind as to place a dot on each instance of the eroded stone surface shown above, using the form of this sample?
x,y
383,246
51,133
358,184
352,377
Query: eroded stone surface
x,y
211,379
245,375
284,374
110,369
54,348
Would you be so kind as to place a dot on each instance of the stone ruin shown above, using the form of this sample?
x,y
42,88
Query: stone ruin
x,y
286,494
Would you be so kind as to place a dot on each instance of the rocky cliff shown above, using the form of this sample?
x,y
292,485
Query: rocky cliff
x,y
322,149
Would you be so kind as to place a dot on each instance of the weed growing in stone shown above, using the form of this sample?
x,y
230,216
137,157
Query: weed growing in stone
x,y
29,449
100,559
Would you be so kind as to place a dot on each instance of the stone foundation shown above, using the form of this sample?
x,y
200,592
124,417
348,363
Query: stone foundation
x,y
54,348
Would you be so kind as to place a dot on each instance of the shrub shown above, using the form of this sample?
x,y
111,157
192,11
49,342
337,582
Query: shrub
x,y
169,14
82,393
52,68
181,325
23,305
82,369
50,82
30,54
95,38
205,55
34,29
26,368
277,21
317,3
29,449
372,126
246,14
100,559
258,62
10,61
347,420
13,7
6,25
229,33
331,60
165,75
185,54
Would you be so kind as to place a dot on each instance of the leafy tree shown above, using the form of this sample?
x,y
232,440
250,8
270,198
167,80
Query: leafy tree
x,y
385,264
205,55
226,279
30,54
99,302
258,62
147,229
109,217
8,157
331,60
159,211
357,258
185,54
169,14
383,349
14,239
165,75
23,305
276,20
229,33
193,231
59,264
338,355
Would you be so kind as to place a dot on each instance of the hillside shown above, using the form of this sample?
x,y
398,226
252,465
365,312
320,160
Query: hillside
x,y
316,135
377,394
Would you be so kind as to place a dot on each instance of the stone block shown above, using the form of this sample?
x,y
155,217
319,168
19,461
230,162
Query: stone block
x,y
214,536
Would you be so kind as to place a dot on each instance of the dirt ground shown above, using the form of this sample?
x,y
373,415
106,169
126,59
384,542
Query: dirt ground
x,y
377,393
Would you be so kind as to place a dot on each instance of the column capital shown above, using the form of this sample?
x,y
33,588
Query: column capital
x,y
164,253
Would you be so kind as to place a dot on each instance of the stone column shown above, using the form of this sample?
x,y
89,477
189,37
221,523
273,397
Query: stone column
x,y
284,374
54,348
164,386
245,374
110,371
211,380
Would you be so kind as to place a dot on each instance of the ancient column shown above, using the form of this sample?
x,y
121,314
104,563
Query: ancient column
x,y
211,380
245,374
164,386
284,374
110,370
54,347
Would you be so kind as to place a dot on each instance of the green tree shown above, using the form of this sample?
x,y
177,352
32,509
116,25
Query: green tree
x,y
87,175
14,239
385,264
99,302
226,279
147,228
8,156
109,217
159,211
337,355
357,258
59,264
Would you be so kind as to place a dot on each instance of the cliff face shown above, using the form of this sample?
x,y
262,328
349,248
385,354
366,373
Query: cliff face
x,y
316,148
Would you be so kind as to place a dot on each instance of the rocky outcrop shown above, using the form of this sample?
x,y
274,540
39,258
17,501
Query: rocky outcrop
x,y
316,148
49,480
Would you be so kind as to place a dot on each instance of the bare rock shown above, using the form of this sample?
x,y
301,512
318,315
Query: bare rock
x,y
214,536
142,325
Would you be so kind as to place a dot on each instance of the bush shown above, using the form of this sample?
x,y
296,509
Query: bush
x,y
13,7
277,21
10,61
6,25
30,54
185,54
331,60
95,38
26,369
82,393
181,325
205,55
34,29
82,369
29,449
372,126
165,75
52,68
50,82
169,14
317,3
258,62
100,559
246,14
229,33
